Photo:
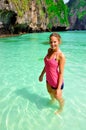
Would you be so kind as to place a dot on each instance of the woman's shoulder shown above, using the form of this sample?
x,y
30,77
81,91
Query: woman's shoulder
x,y
61,55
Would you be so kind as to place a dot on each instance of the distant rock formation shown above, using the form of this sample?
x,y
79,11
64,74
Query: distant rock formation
x,y
77,14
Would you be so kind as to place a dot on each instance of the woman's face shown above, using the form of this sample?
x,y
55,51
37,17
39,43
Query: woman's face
x,y
54,42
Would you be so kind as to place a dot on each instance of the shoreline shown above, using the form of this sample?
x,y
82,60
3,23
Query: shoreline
x,y
10,35
13,35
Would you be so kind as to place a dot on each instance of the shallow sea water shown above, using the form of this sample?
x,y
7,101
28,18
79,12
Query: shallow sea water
x,y
24,100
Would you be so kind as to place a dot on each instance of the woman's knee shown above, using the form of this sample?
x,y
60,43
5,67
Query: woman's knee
x,y
58,95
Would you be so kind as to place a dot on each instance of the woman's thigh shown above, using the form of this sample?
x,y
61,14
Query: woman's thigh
x,y
49,89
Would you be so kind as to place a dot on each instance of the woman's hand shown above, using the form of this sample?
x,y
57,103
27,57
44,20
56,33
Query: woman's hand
x,y
42,74
40,78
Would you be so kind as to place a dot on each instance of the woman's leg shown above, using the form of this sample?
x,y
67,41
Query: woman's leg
x,y
60,99
49,89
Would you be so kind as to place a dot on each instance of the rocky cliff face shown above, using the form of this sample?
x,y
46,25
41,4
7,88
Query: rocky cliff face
x,y
35,15
77,14
18,16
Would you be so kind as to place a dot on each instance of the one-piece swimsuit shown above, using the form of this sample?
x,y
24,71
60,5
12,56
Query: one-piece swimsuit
x,y
52,72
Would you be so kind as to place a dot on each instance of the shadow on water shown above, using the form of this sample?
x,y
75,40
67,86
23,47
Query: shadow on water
x,y
39,101
45,43
40,59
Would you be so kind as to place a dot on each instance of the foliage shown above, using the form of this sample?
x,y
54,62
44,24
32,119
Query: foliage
x,y
78,6
54,9
21,6
39,5
57,9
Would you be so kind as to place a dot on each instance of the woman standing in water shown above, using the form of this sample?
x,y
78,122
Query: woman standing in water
x,y
54,69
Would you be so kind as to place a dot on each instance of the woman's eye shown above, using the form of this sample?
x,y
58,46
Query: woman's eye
x,y
52,42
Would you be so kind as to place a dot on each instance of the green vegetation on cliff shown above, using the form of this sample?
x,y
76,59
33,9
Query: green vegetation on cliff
x,y
79,6
57,11
38,14
21,6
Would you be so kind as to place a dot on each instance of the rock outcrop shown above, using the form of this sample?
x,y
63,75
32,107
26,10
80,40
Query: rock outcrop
x,y
20,16
77,14
34,15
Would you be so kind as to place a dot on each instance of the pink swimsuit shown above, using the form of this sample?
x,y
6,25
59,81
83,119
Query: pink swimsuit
x,y
51,69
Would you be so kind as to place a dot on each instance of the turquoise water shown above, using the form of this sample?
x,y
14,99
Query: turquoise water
x,y
24,100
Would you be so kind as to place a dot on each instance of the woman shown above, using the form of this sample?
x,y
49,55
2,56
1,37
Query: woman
x,y
54,69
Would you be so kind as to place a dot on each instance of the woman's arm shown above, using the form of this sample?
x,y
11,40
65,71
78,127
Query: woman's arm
x,y
61,70
42,74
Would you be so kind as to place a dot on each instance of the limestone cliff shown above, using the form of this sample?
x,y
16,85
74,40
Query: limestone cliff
x,y
18,16
77,14
35,15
